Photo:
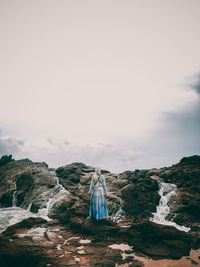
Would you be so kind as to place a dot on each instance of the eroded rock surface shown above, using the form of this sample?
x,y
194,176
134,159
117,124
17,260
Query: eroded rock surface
x,y
69,237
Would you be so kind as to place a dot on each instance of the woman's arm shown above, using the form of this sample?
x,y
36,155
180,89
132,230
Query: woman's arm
x,y
91,185
104,186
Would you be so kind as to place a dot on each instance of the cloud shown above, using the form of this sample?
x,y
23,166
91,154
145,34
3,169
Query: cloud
x,y
194,82
176,134
108,156
114,158
10,145
184,124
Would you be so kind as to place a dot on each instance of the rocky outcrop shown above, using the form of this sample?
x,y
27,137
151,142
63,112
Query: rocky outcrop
x,y
185,206
133,197
32,182
5,159
139,194
160,240
53,244
11,254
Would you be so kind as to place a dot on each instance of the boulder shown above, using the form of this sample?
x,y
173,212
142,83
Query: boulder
x,y
159,240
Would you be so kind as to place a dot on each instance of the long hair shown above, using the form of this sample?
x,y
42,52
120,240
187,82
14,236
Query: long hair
x,y
98,170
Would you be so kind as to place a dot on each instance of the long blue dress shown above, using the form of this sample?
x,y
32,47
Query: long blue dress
x,y
98,206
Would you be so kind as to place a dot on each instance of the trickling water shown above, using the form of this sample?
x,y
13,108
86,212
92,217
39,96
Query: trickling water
x,y
57,193
118,215
12,215
166,191
14,201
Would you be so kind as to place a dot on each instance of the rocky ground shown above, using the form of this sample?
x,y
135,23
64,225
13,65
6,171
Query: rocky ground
x,y
69,237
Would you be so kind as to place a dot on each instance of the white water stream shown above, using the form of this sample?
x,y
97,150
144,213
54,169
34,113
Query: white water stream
x,y
12,215
166,191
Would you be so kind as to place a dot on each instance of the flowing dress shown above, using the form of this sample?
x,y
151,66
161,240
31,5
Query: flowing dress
x,y
98,206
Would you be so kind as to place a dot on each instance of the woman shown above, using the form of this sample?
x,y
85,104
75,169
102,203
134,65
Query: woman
x,y
98,191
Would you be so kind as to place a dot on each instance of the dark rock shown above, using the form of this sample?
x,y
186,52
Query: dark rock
x,y
133,191
25,224
193,160
13,256
5,159
140,198
159,240
6,198
185,209
29,179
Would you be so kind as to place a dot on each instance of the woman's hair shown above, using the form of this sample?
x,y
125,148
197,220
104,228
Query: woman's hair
x,y
98,170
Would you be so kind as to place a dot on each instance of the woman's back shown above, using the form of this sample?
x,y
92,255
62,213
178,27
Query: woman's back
x,y
96,180
98,191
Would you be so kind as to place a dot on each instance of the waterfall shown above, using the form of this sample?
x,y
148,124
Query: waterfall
x,y
57,193
118,215
12,215
166,191
14,200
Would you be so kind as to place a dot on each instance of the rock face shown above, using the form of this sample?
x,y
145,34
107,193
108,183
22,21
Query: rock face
x,y
146,236
185,207
31,181
139,194
5,159
63,192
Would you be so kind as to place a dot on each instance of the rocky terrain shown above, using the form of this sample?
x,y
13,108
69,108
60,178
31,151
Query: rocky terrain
x,y
44,215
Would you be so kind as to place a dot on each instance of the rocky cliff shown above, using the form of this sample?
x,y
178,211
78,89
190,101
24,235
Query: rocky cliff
x,y
45,214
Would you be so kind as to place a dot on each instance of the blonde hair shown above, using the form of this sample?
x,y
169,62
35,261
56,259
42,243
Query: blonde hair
x,y
98,170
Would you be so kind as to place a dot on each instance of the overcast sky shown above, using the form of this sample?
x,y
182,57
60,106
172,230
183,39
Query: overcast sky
x,y
108,83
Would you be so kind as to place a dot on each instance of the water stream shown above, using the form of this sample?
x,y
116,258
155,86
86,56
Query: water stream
x,y
166,191
14,214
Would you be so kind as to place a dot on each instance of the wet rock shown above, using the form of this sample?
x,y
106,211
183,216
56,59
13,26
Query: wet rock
x,y
70,174
140,197
185,206
23,225
159,240
31,181
135,192
12,255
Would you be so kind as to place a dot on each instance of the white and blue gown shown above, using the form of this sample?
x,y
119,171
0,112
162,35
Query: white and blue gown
x,y
98,206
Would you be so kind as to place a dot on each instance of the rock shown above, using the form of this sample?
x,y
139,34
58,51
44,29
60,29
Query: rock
x,y
185,207
5,159
192,160
68,207
159,240
12,255
140,197
32,182
133,197
23,225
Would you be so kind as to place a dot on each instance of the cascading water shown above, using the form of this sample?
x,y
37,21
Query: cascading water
x,y
12,215
166,191
118,215
14,201
57,193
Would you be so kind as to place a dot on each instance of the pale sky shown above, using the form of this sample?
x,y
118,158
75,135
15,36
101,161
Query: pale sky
x,y
106,83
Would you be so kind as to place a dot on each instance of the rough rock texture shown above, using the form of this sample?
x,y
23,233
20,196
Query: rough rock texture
x,y
32,182
58,245
5,159
185,207
133,196
160,240
139,194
